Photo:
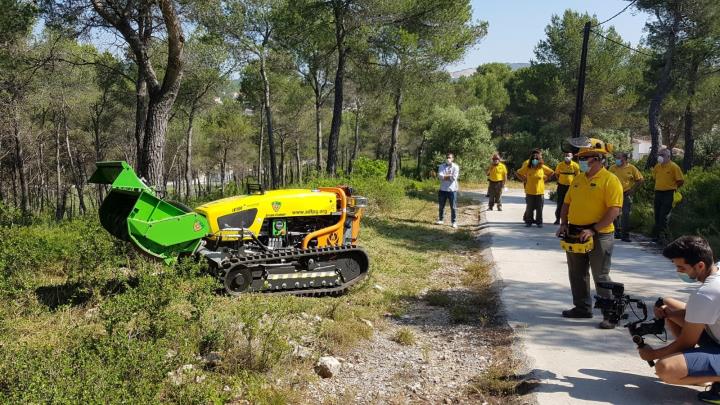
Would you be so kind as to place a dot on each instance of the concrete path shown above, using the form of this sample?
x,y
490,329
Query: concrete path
x,y
576,362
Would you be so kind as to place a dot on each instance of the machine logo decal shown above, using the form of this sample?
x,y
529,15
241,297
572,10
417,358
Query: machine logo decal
x,y
197,227
276,206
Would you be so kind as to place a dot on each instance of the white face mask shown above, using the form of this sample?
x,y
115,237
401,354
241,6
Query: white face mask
x,y
568,159
661,159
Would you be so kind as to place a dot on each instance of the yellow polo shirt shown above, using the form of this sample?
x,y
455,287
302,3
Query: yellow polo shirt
x,y
535,181
628,175
566,172
589,199
666,176
497,172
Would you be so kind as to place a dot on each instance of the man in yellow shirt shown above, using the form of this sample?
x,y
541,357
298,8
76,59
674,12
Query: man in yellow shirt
x,y
497,176
668,178
630,178
590,207
565,172
534,174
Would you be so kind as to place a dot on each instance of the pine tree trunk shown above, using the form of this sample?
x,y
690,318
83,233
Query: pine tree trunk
x,y
392,155
356,145
19,159
188,155
318,129
153,153
663,87
269,123
141,115
336,124
298,169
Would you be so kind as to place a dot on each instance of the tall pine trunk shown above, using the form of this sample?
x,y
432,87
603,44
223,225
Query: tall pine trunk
x,y
141,110
336,124
188,154
392,155
356,145
269,123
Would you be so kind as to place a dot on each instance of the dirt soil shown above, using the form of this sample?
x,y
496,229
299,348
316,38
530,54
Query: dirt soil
x,y
440,365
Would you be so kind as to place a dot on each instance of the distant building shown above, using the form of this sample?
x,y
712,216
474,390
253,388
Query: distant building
x,y
641,148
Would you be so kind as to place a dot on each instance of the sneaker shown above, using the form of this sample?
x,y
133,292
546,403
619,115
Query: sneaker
x,y
606,324
490,208
626,239
528,224
439,222
454,225
576,313
712,395
557,222
539,225
499,208
617,236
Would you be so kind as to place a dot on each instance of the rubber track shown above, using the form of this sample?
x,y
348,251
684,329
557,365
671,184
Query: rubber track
x,y
295,254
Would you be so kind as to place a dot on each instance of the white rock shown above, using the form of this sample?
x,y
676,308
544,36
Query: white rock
x,y
170,353
200,378
379,287
367,322
327,366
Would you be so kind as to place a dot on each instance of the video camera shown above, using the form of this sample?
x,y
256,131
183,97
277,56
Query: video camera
x,y
614,308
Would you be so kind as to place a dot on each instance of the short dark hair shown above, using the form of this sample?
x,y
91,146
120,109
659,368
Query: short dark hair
x,y
450,154
694,249
623,154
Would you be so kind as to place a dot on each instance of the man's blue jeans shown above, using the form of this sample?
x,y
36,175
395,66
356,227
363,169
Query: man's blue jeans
x,y
444,196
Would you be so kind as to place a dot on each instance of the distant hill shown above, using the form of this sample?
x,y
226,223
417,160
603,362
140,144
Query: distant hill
x,y
468,72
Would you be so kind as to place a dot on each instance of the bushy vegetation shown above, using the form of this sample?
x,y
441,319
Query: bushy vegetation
x,y
83,318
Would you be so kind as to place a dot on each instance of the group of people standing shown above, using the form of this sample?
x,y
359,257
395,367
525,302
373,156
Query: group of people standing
x,y
593,201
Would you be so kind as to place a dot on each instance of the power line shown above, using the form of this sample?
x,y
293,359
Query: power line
x,y
621,44
620,12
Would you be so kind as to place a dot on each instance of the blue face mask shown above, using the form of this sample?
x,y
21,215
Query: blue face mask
x,y
584,166
685,277
618,162
534,162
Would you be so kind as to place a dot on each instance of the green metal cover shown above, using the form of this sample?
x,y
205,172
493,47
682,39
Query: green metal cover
x,y
132,212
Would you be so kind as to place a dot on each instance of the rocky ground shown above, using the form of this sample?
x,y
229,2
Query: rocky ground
x,y
423,356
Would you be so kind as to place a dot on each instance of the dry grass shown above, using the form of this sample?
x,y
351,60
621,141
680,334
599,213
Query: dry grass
x,y
404,336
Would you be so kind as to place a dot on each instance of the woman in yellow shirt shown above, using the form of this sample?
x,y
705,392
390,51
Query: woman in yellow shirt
x,y
497,175
534,174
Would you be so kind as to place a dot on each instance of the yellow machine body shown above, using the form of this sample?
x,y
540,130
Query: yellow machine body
x,y
574,245
251,212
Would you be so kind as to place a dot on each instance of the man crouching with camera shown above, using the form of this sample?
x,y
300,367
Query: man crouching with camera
x,y
694,356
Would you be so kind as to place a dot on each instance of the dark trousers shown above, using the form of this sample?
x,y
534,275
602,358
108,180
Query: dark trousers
x,y
561,191
534,208
622,222
495,190
598,260
663,206
444,196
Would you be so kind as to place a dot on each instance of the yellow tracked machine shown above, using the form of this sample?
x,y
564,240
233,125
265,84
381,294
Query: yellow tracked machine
x,y
293,241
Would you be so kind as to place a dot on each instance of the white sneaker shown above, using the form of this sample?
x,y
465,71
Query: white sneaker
x,y
439,222
454,225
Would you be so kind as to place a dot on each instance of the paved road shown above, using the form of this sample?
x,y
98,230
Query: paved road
x,y
576,362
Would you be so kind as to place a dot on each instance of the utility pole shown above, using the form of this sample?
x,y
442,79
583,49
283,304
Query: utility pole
x,y
577,118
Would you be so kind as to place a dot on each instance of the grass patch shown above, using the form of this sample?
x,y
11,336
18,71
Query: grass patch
x,y
404,336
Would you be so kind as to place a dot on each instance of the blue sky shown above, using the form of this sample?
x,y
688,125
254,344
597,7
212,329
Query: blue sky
x,y
516,26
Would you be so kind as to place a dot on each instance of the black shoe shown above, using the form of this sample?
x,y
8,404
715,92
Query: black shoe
x,y
617,236
626,239
557,222
576,313
490,208
540,225
712,395
499,208
528,224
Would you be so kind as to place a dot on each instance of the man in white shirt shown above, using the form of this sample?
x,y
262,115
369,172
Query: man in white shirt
x,y
694,356
448,174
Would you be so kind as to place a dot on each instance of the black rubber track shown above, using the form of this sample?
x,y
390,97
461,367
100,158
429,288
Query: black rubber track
x,y
297,254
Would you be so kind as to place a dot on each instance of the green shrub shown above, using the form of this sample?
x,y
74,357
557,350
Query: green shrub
x,y
366,168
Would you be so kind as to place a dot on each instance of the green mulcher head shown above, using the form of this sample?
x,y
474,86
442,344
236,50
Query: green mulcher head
x,y
133,212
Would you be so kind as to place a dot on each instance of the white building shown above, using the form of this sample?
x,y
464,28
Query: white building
x,y
641,147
